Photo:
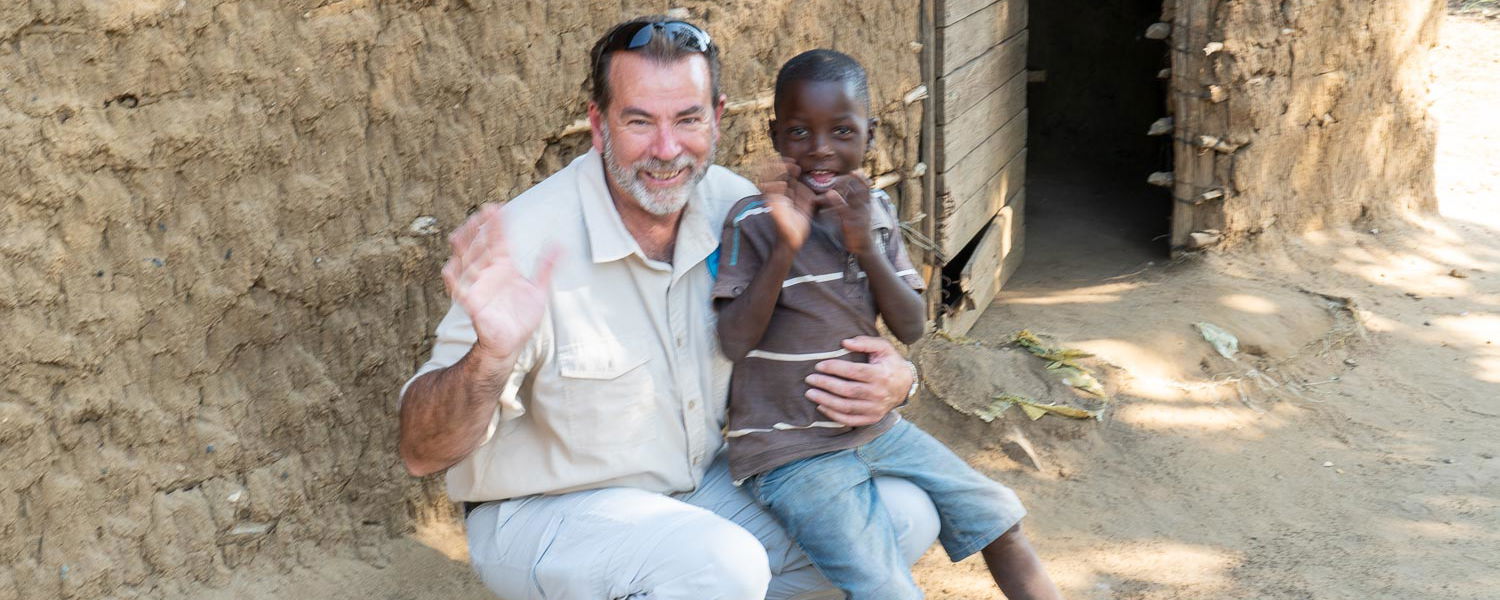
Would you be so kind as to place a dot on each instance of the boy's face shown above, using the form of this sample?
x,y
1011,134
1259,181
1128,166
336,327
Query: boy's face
x,y
824,127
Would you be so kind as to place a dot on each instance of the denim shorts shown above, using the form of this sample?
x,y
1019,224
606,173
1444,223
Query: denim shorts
x,y
830,506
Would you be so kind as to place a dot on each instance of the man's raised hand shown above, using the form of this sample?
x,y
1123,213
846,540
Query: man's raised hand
x,y
481,276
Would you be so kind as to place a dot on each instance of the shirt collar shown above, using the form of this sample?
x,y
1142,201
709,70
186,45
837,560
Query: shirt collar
x,y
609,240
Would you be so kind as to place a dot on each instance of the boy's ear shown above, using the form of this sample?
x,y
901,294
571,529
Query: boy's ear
x,y
771,130
870,139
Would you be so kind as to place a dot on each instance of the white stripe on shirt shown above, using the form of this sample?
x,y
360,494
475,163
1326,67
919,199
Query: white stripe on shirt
x,y
811,279
783,357
785,427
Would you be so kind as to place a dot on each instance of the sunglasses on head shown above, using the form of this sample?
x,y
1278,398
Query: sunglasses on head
x,y
636,35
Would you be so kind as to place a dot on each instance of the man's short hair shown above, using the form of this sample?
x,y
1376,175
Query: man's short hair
x,y
825,65
661,49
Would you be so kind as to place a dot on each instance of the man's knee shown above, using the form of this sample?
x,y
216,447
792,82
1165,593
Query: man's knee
x,y
710,557
912,515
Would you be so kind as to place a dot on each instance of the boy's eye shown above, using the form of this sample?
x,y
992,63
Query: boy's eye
x,y
797,132
843,130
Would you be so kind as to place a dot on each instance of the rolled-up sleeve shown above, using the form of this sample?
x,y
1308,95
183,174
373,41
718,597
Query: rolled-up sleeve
x,y
455,336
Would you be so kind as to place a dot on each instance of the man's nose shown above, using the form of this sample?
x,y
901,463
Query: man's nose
x,y
666,146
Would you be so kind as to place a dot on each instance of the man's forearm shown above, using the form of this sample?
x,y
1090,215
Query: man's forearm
x,y
445,413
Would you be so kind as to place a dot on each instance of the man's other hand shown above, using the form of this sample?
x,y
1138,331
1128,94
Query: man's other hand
x,y
858,394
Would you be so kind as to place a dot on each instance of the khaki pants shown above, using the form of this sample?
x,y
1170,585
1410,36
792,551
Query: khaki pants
x,y
713,543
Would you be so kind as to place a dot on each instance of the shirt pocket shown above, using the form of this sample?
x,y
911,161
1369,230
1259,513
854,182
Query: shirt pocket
x,y
609,394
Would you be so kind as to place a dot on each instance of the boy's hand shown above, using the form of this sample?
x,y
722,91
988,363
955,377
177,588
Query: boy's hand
x,y
791,201
849,198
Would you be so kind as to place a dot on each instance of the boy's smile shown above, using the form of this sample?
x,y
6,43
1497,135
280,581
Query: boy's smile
x,y
824,127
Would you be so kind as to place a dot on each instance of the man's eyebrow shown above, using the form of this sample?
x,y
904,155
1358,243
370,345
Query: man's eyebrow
x,y
632,111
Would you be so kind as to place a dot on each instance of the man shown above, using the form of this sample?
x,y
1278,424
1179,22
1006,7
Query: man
x,y
577,405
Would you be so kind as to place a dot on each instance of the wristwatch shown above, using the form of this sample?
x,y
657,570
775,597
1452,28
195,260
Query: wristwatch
x,y
911,393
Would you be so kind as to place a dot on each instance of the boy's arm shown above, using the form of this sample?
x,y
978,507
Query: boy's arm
x,y
745,308
743,318
901,306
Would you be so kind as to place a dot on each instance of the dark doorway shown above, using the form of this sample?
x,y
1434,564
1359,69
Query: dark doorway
x,y
1094,92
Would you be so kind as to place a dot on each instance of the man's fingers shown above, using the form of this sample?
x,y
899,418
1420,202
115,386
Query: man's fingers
x,y
848,370
828,405
841,387
876,347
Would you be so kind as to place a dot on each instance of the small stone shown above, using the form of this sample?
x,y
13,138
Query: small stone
x,y
1459,274
1449,461
209,449
424,226
1427,323
1339,471
1327,463
1351,362
235,496
1375,231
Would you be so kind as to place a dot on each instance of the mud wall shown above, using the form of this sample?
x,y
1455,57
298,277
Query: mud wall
x,y
1332,98
220,229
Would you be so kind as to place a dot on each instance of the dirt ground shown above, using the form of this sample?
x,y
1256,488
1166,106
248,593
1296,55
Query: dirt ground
x,y
1348,452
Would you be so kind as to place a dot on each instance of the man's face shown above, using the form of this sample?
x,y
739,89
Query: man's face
x,y
658,134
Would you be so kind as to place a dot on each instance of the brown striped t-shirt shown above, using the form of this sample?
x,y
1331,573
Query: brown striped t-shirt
x,y
824,300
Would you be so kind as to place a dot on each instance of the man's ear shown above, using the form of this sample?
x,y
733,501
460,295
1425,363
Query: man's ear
x,y
870,139
596,126
719,104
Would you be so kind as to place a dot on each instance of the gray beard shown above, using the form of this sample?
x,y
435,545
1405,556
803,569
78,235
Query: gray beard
x,y
660,203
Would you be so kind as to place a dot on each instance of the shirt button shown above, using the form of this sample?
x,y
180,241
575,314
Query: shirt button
x,y
696,460
692,404
681,341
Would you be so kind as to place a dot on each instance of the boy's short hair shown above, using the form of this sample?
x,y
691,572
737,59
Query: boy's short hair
x,y
662,49
825,65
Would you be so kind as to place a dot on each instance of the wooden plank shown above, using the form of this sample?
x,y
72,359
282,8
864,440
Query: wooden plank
x,y
995,259
962,219
969,37
964,177
972,128
954,10
963,88
931,268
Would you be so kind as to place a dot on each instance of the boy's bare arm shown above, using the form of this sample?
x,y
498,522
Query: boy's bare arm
x,y
743,320
901,307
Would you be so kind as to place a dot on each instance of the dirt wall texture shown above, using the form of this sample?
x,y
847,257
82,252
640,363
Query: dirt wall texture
x,y
220,231
1331,100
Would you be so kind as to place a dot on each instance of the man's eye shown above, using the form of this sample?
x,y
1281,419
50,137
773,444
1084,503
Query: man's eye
x,y
636,122
692,121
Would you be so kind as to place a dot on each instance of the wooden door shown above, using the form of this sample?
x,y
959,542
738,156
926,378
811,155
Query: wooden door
x,y
979,154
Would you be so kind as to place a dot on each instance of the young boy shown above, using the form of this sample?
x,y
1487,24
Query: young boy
x,y
808,263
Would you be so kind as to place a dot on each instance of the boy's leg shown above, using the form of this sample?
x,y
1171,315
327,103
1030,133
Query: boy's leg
x,y
830,505
1016,568
613,543
976,513
793,575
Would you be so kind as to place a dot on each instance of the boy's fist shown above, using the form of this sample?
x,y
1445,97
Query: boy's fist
x,y
790,200
849,198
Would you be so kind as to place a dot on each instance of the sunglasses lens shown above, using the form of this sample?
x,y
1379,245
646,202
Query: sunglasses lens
x,y
683,34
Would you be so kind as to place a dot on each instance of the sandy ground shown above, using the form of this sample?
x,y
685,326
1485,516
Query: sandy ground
x,y
1349,451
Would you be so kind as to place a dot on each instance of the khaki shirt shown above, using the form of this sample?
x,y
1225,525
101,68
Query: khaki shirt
x,y
623,383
